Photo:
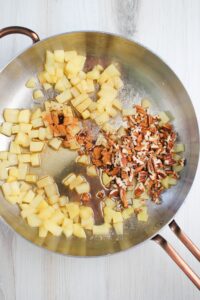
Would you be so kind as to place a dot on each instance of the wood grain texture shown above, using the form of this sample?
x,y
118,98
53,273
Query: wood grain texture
x,y
172,30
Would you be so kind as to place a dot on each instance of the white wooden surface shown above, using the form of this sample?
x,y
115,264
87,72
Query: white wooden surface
x,y
172,30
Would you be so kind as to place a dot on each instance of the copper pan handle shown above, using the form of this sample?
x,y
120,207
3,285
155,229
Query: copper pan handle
x,y
21,30
174,254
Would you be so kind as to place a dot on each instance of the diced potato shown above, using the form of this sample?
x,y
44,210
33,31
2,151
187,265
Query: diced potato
x,y
128,112
172,181
35,160
47,86
45,211
3,155
15,148
26,128
6,188
51,189
69,179
49,134
103,229
22,139
36,114
73,209
165,182
38,94
36,146
118,228
112,71
9,178
62,84
117,104
53,199
34,221
127,212
37,122
106,179
50,69
163,117
92,106
24,158
42,133
102,118
34,134
70,55
22,171
85,114
111,111
108,214
3,170
52,227
24,116
179,148
78,231
77,181
28,211
67,227
178,168
82,188
118,83
31,178
15,129
86,212
59,55
25,187
57,217
87,223
31,83
109,202
11,115
83,159
74,145
30,195
50,58
12,159
6,128
44,181
91,171
36,201
63,200
145,103
84,105
55,143
42,232
74,92
143,215
64,96
94,74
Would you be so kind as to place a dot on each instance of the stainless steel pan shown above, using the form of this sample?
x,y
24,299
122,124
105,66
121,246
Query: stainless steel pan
x,y
144,74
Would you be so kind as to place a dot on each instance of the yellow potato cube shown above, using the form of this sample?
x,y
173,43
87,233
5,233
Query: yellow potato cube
x,y
38,94
79,99
83,159
45,212
36,201
4,155
35,160
34,220
118,228
6,128
143,216
145,103
22,139
127,212
91,171
59,55
42,232
70,55
36,114
85,114
103,229
84,105
64,96
44,181
78,231
87,223
24,158
67,227
55,143
83,188
30,195
22,171
36,146
11,115
27,211
73,209
117,104
52,227
69,179
24,116
37,122
47,86
15,148
51,190
31,178
15,129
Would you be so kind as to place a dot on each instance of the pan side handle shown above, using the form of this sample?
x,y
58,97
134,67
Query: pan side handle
x,y
167,247
21,30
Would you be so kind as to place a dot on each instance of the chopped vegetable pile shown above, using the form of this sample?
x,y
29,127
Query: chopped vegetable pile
x,y
134,163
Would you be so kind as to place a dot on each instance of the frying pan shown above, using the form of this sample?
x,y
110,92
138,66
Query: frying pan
x,y
144,74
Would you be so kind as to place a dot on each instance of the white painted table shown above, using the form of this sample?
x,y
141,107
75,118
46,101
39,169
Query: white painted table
x,y
172,30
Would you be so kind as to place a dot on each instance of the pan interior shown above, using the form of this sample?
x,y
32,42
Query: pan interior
x,y
144,74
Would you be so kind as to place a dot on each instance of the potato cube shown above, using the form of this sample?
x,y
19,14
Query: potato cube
x,y
35,160
112,71
9,178
63,200
94,74
78,231
12,159
87,223
59,55
68,179
74,92
106,179
77,181
31,178
163,117
24,187
82,188
42,232
103,229
79,99
118,228
26,128
117,217
38,94
34,134
4,155
127,212
36,114
165,182
145,103
42,133
84,105
83,160
30,195
92,106
179,148
52,227
103,118
44,181
109,202
3,170
108,214
22,139
6,188
86,212
47,86
50,58
118,83
15,148
49,134
36,201
55,143
24,116
22,171
143,215
51,190
91,171
28,211
24,158
74,145
64,96
117,104
45,211
57,217
11,115
6,128
73,209
34,221
172,181
13,199
37,122
128,112
53,199
70,55
67,227
36,146
15,129
62,84
31,83
85,114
